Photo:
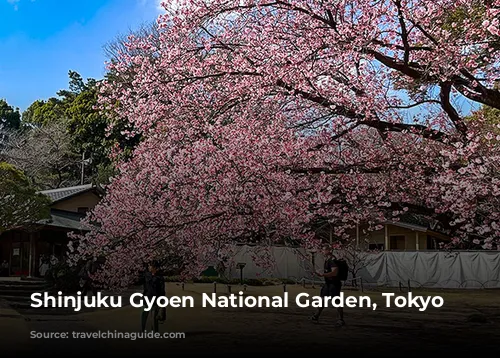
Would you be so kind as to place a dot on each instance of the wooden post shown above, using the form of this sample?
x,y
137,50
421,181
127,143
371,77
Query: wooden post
x,y
31,255
386,236
417,243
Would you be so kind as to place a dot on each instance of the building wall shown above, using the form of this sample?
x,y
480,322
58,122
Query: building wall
x,y
15,249
86,200
373,238
47,242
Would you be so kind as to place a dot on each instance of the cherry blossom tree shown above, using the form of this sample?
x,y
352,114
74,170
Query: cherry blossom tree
x,y
44,154
357,260
263,119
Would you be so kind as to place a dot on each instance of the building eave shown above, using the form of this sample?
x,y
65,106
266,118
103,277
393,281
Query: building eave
x,y
407,226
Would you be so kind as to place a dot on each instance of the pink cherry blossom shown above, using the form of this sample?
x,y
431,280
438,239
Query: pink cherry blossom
x,y
265,119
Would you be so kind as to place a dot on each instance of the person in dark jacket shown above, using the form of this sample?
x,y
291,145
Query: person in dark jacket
x,y
332,286
87,283
154,286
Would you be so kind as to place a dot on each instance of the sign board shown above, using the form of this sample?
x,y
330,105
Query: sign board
x,y
15,252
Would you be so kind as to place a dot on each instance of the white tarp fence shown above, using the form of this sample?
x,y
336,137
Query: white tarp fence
x,y
433,269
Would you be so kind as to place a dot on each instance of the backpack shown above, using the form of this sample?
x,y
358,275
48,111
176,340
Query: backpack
x,y
343,269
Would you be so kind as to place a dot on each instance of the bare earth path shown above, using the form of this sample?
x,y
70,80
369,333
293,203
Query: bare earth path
x,y
385,331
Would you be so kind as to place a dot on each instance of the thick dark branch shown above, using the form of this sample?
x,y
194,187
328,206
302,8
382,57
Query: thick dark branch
x,y
483,95
450,110
341,78
398,47
331,20
426,34
404,127
404,33
416,104
322,101
307,12
284,5
379,125
490,98
217,75
340,169
398,66
471,88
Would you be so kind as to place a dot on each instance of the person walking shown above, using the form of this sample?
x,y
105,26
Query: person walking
x,y
333,284
154,286
87,283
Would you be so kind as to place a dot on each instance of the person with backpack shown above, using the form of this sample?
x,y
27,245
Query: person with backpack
x,y
335,271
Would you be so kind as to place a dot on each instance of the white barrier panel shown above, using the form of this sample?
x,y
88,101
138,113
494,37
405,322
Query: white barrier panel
x,y
433,269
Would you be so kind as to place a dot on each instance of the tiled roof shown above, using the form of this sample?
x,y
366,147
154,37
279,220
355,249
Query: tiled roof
x,y
63,193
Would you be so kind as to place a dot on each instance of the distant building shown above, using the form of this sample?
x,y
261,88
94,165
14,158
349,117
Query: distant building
x,y
410,233
23,248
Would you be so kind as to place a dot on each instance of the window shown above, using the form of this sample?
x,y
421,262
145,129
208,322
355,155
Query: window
x,y
83,210
398,242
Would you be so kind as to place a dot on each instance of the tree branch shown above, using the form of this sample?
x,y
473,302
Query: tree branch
x,y
404,33
450,110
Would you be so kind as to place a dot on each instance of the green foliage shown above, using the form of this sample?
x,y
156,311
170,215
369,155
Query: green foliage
x,y
491,115
20,204
9,116
86,125
44,112
459,21
104,173
454,21
491,120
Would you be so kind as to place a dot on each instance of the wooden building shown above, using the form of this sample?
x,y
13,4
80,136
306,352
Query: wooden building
x,y
23,248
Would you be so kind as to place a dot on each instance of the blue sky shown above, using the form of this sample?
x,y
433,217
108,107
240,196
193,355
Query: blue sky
x,y
41,40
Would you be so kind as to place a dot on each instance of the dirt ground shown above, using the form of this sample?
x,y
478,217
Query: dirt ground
x,y
468,322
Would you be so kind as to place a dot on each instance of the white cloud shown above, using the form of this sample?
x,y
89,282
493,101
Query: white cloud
x,y
173,5
153,3
14,3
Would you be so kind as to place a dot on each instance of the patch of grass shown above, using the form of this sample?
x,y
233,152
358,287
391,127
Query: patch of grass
x,y
234,281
